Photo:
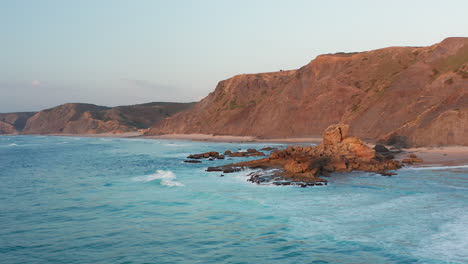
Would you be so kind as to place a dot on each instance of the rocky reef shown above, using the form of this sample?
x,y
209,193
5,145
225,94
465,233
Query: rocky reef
x,y
306,166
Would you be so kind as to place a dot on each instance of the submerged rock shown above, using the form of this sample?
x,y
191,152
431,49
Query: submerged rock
x,y
268,149
192,161
213,169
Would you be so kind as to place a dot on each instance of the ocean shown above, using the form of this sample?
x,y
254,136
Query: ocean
x,y
114,200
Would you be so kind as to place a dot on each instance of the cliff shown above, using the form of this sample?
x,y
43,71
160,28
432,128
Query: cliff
x,y
78,118
418,95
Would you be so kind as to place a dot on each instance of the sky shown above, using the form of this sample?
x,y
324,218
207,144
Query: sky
x,y
120,52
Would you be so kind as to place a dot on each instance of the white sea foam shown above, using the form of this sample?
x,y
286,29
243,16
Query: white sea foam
x,y
450,242
176,145
167,178
13,144
437,167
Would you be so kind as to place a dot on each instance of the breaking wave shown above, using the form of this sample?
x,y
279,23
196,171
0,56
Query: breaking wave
x,y
167,178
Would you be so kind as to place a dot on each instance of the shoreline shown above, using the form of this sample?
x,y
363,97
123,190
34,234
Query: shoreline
x,y
444,155
225,138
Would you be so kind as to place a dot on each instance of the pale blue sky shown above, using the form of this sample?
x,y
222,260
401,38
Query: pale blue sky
x,y
124,52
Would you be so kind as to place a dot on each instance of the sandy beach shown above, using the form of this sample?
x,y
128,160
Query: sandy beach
x,y
225,138
446,156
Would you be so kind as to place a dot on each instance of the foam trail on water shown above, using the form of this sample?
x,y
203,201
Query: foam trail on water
x,y
437,168
176,145
167,178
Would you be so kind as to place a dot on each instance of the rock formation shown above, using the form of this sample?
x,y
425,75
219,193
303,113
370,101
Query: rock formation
x,y
305,165
418,95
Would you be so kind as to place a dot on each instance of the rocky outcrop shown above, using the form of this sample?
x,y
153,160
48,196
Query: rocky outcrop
x,y
206,155
306,165
416,94
216,155
76,118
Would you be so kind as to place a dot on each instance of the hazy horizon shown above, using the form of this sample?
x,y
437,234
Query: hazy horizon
x,y
121,53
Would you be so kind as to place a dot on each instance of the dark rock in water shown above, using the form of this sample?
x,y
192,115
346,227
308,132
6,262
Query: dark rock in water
x,y
231,170
252,153
192,161
384,152
238,154
384,173
227,152
222,175
213,169
210,159
256,153
379,148
268,148
211,155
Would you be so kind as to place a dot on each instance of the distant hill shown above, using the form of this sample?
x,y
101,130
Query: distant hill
x,y
414,94
78,118
11,123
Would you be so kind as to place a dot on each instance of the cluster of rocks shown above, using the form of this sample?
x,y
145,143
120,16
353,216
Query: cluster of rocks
x,y
305,166
276,177
248,153
212,155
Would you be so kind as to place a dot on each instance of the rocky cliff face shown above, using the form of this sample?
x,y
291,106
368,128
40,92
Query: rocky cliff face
x,y
417,93
76,118
12,123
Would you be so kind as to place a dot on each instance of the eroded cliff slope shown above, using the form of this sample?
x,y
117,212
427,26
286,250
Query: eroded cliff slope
x,y
420,93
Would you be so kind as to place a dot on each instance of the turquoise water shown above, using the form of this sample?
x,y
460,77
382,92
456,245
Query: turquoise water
x,y
101,200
